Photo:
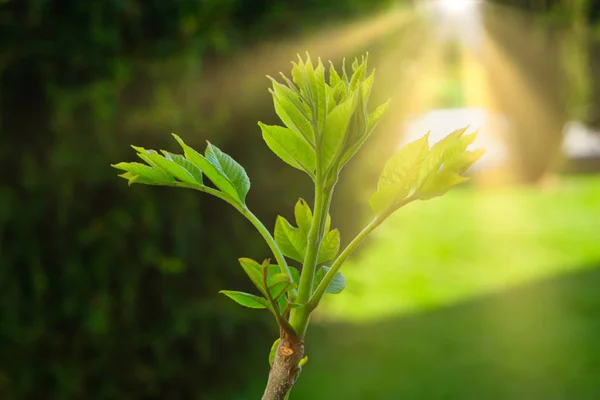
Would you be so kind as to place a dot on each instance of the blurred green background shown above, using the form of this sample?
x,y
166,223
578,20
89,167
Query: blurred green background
x,y
110,292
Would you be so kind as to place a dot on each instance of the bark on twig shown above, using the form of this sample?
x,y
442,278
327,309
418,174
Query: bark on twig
x,y
285,367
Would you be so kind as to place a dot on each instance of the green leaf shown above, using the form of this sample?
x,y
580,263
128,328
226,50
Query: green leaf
x,y
399,175
254,272
320,96
337,284
303,361
183,162
273,351
212,172
303,215
291,240
374,118
330,245
234,172
246,299
464,161
301,74
334,78
292,111
335,131
439,184
170,167
358,74
359,123
290,147
141,173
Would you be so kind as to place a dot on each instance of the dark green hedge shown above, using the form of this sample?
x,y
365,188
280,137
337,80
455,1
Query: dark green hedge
x,y
107,291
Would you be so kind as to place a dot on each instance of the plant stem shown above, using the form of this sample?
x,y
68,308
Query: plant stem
x,y
300,316
269,239
285,368
253,219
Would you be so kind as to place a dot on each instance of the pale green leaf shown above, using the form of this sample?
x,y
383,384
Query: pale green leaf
x,y
303,215
399,175
335,131
374,118
334,78
358,74
320,96
231,169
141,173
290,147
246,299
330,245
291,240
444,152
292,111
359,123
300,76
438,184
273,351
366,87
464,161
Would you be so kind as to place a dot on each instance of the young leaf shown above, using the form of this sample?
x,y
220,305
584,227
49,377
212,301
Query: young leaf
x,y
374,118
234,172
292,111
334,78
290,147
439,184
212,172
335,131
399,174
303,215
329,246
447,160
246,299
320,96
253,270
188,166
171,167
291,240
337,284
141,173
273,351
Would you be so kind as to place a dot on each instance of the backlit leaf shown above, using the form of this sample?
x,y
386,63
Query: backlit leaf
x,y
292,111
290,147
335,131
399,174
246,299
291,240
303,215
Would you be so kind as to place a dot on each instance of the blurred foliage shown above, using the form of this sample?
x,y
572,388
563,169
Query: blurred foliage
x,y
110,291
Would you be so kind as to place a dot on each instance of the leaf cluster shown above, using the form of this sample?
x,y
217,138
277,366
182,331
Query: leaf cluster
x,y
325,121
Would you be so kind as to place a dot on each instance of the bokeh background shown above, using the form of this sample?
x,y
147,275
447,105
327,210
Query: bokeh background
x,y
110,292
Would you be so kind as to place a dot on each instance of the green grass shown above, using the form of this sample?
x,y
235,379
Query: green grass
x,y
481,294
469,242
